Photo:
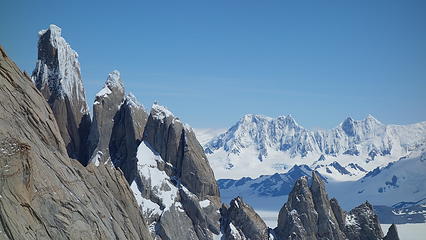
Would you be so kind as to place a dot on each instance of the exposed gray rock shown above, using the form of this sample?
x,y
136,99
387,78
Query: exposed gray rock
x,y
57,75
392,233
177,145
106,105
175,225
43,193
240,221
338,213
175,180
309,214
328,227
127,132
298,219
363,224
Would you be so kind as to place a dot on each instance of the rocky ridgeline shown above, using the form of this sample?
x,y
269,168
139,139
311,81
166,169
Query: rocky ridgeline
x,y
308,214
137,176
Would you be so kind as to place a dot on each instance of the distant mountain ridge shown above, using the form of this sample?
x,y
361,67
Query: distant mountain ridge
x,y
258,145
397,191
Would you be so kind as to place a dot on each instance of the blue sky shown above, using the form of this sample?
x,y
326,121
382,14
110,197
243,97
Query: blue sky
x,y
210,62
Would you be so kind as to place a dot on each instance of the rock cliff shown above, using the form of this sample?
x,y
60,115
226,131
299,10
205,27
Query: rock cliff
x,y
107,103
43,193
57,75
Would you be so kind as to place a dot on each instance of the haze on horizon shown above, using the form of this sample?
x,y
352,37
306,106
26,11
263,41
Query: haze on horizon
x,y
212,62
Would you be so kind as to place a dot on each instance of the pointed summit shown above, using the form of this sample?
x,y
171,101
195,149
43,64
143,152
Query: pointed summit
x,y
132,101
348,127
310,215
114,80
240,219
58,77
160,112
57,70
107,103
371,119
112,84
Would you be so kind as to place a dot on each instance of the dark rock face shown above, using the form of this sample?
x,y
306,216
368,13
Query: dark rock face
x,y
178,146
43,193
298,219
339,214
57,75
240,221
126,134
106,105
392,233
328,227
309,214
362,223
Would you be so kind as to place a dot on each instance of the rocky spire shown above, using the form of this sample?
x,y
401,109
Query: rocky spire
x,y
298,216
177,145
362,223
309,214
175,181
57,75
328,226
107,103
240,221
126,134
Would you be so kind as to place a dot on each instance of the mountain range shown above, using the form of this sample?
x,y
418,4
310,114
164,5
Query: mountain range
x,y
260,159
259,145
128,174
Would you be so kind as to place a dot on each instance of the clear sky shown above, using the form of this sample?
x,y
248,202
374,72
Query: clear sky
x,y
210,62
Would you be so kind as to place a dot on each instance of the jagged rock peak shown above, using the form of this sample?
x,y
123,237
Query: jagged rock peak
x,y
178,146
370,118
114,80
57,70
240,221
112,84
58,77
160,112
132,101
309,214
362,223
107,103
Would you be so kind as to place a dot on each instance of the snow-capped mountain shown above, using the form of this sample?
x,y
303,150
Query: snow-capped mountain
x,y
258,145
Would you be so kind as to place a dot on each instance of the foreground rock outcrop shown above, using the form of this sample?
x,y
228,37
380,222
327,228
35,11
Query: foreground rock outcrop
x,y
43,193
57,75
